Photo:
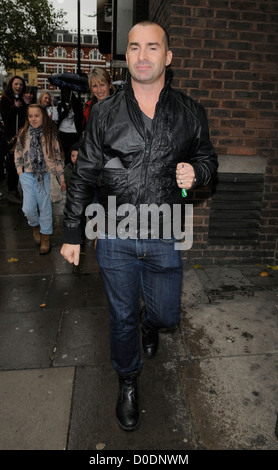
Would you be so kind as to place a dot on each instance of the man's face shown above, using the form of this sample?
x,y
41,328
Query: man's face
x,y
146,54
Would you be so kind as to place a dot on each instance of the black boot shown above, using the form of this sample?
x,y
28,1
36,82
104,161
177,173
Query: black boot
x,y
127,404
150,341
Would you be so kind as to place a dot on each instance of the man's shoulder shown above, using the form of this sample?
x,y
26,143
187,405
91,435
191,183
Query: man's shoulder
x,y
184,98
109,103
188,103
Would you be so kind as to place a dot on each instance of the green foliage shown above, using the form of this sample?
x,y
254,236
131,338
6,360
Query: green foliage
x,y
25,27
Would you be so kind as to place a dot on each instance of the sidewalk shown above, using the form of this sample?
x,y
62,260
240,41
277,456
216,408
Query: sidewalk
x,y
213,384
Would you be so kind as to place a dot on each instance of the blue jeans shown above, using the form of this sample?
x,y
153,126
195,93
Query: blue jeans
x,y
37,206
130,267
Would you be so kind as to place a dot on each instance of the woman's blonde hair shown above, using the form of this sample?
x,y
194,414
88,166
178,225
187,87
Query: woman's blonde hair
x,y
100,74
42,94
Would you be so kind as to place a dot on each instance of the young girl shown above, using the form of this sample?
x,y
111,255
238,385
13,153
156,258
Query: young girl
x,y
37,154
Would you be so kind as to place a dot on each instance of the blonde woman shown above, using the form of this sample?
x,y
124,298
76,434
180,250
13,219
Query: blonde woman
x,y
46,101
101,87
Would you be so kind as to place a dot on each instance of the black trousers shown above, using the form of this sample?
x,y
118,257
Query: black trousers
x,y
12,176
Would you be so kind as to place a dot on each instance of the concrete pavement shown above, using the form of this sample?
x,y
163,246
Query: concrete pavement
x,y
213,384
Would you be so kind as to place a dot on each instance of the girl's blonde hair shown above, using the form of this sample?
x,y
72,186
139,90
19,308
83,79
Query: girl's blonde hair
x,y
49,130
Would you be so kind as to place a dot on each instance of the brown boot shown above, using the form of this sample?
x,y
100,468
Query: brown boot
x,y
45,244
37,235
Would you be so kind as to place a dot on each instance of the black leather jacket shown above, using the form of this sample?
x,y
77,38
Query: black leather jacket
x,y
148,176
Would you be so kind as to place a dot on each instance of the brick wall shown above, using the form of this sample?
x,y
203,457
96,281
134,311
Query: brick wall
x,y
226,57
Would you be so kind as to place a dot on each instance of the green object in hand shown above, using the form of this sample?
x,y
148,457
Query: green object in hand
x,y
184,193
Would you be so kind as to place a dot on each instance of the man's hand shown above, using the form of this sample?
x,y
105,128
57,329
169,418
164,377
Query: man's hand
x,y
71,253
185,175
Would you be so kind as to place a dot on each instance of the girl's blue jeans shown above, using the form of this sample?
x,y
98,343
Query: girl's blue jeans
x,y
129,267
37,206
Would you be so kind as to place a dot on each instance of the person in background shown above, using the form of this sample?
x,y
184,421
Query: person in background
x,y
46,101
29,96
70,166
68,115
3,152
13,110
161,137
101,87
37,154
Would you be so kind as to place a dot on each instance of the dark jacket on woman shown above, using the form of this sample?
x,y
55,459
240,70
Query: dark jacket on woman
x,y
13,117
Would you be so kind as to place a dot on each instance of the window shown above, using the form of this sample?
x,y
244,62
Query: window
x,y
44,52
60,38
74,54
60,52
75,38
95,54
45,84
59,68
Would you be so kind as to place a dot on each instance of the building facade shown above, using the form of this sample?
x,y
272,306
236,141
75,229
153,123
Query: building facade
x,y
225,55
30,76
62,56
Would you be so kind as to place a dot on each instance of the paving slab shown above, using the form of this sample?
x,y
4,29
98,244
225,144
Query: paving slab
x,y
192,291
164,418
35,408
23,293
68,290
27,340
83,337
28,261
224,281
231,379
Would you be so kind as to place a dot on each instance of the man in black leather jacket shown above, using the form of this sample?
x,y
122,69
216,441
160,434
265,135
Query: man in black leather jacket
x,y
142,146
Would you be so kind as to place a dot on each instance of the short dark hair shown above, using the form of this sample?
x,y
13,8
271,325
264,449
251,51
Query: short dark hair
x,y
75,147
166,34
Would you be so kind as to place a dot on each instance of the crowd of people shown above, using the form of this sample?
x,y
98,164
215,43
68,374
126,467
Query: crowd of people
x,y
39,143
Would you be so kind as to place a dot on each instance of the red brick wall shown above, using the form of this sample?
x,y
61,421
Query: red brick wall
x,y
226,57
